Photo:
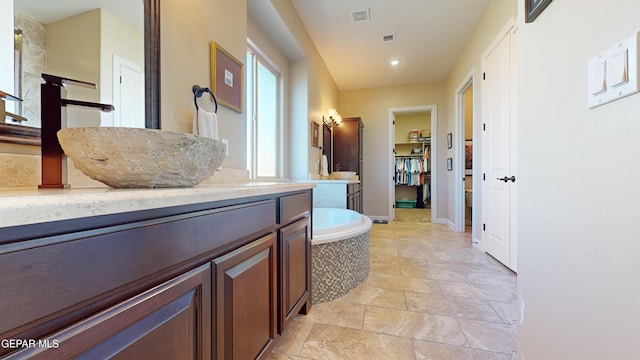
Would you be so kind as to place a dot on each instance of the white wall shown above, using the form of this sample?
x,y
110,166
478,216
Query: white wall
x,y
318,95
186,31
579,189
373,106
121,38
76,55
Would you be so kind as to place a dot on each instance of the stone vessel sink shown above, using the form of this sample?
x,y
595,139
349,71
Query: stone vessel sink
x,y
141,158
343,175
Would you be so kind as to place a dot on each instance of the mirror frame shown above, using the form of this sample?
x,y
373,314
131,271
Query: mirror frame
x,y
25,135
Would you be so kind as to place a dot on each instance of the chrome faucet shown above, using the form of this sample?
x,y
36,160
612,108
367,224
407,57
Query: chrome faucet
x,y
53,116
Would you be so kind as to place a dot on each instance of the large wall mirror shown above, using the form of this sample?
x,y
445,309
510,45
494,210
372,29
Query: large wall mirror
x,y
113,43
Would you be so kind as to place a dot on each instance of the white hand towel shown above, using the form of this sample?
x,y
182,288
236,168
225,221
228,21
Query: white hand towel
x,y
205,124
325,166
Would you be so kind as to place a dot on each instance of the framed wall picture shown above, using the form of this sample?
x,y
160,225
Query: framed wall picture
x,y
468,157
315,133
227,78
533,8
449,141
449,164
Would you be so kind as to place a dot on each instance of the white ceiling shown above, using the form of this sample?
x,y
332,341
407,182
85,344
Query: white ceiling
x,y
430,37
48,11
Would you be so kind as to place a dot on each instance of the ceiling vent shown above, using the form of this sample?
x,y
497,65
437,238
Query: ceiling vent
x,y
359,16
388,37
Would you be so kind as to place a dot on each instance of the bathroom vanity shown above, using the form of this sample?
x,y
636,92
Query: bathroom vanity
x,y
341,194
210,272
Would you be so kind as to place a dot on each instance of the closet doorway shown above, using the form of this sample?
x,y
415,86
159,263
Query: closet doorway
x,y
465,157
413,160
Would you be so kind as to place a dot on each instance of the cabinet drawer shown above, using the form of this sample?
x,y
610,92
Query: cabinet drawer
x,y
293,206
171,321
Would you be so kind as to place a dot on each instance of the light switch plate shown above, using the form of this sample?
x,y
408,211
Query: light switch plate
x,y
620,76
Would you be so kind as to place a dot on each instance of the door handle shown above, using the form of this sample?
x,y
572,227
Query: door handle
x,y
507,179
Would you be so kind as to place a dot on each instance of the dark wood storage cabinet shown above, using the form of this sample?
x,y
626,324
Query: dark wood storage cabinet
x,y
348,156
202,281
347,145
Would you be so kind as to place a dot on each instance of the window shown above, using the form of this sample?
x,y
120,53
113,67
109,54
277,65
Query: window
x,y
263,117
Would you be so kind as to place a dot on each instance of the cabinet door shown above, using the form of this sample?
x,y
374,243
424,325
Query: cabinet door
x,y
295,271
170,321
346,145
245,313
354,199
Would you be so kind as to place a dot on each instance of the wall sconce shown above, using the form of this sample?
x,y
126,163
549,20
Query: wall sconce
x,y
333,119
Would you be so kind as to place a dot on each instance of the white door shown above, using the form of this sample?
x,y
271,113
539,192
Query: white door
x,y
499,180
128,94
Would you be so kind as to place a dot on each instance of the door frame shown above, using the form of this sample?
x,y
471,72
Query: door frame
x,y
459,153
434,158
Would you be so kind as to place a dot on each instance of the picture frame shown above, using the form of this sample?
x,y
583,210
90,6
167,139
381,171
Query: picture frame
x,y
468,157
533,8
315,130
227,78
449,141
450,164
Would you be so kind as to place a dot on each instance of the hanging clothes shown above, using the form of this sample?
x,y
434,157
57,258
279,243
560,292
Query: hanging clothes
x,y
409,171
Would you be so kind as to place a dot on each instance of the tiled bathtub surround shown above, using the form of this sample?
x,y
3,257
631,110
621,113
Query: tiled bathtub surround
x,y
430,295
339,267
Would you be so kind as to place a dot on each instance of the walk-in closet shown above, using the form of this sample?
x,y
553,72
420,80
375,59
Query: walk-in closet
x,y
412,166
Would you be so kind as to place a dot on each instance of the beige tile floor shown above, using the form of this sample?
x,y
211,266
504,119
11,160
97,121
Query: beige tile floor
x,y
413,214
430,295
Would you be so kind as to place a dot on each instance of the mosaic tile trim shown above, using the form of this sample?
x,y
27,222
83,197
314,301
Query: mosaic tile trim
x,y
339,267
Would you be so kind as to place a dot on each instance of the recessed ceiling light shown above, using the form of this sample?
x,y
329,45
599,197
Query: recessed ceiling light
x,y
394,62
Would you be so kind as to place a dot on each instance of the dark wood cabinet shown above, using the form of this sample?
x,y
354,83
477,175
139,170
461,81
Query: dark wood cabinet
x,y
348,153
295,277
245,300
294,246
170,321
201,281
347,145
354,197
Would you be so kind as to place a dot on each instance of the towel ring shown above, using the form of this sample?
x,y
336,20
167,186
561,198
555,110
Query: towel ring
x,y
198,91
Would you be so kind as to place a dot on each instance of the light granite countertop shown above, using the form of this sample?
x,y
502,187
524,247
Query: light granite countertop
x,y
31,206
